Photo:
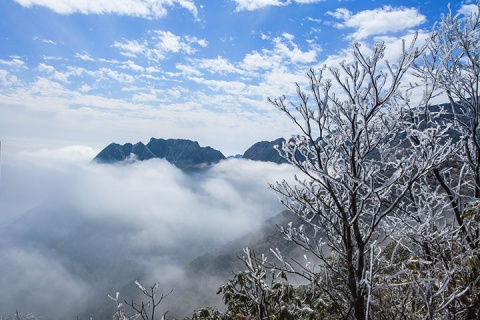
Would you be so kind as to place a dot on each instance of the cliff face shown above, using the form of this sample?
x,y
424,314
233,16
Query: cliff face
x,y
184,154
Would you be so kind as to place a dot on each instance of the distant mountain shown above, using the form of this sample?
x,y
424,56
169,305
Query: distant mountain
x,y
237,156
185,154
265,151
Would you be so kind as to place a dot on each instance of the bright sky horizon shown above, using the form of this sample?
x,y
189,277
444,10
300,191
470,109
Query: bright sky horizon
x,y
82,73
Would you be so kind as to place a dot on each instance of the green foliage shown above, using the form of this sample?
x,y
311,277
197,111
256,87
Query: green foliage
x,y
208,313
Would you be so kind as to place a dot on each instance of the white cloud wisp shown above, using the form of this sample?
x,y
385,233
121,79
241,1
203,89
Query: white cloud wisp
x,y
138,8
378,21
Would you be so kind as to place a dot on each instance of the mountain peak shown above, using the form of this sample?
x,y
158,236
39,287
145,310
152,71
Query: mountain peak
x,y
183,153
266,151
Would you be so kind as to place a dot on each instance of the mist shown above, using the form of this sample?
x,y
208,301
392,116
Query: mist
x,y
73,231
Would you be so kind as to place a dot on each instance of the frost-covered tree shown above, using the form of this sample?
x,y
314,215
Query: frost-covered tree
x,y
141,310
440,236
361,156
390,185
451,67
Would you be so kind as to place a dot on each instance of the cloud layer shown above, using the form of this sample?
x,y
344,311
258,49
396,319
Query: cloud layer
x,y
149,215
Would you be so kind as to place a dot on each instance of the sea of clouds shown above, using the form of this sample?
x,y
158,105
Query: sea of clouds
x,y
167,218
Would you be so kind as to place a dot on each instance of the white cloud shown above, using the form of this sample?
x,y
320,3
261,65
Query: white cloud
x,y
340,13
3,76
138,8
46,41
187,70
202,42
105,74
288,36
219,65
159,44
85,88
75,154
14,62
45,87
131,65
308,1
291,51
49,41
284,52
130,48
84,56
240,85
316,20
468,9
152,69
144,97
256,61
378,21
52,58
7,80
251,5
229,87
166,41
42,67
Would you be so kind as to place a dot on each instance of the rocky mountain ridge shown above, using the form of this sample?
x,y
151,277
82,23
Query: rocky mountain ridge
x,y
183,153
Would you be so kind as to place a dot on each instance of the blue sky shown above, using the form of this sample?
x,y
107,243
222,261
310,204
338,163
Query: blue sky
x,y
86,73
